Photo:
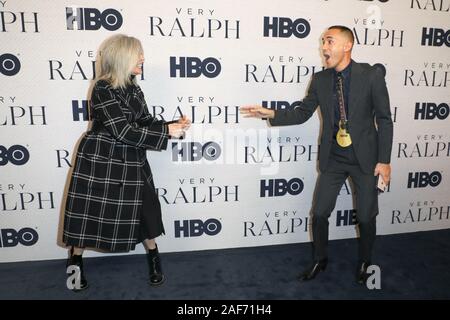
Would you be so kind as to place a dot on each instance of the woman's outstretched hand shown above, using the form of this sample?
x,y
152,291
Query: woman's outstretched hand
x,y
256,112
178,129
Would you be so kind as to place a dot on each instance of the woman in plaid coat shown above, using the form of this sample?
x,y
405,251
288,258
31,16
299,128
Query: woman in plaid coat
x,y
112,202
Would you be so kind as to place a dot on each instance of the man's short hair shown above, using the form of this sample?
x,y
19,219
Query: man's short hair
x,y
347,32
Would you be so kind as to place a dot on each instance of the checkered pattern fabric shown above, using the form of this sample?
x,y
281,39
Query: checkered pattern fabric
x,y
104,201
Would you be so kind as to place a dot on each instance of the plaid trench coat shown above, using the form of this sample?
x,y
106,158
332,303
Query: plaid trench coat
x,y
104,201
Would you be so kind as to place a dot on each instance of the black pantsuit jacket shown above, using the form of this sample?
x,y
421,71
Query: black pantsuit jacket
x,y
368,104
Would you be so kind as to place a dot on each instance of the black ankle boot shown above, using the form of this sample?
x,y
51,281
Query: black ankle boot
x,y
77,260
155,271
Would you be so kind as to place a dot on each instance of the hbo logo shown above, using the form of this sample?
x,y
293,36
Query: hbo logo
x,y
17,155
435,37
284,27
11,237
93,19
78,110
424,179
430,111
9,64
193,67
195,151
279,105
196,227
346,218
279,187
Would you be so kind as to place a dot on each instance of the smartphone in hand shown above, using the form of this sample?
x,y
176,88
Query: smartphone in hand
x,y
381,185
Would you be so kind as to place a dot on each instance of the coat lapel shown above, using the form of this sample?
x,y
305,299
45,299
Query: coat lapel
x,y
356,84
329,91
125,97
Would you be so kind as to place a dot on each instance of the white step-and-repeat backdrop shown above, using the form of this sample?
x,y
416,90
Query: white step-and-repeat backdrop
x,y
233,182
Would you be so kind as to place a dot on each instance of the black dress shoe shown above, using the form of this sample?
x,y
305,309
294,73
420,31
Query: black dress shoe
x,y
313,271
361,272
155,271
77,260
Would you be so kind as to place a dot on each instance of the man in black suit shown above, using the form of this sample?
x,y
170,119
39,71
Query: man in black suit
x,y
352,98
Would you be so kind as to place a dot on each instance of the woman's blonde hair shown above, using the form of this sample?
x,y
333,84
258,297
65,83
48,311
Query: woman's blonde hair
x,y
117,57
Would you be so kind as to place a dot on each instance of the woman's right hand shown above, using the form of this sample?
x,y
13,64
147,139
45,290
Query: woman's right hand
x,y
185,121
178,129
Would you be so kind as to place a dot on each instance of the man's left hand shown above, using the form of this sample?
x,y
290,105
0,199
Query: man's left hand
x,y
384,169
